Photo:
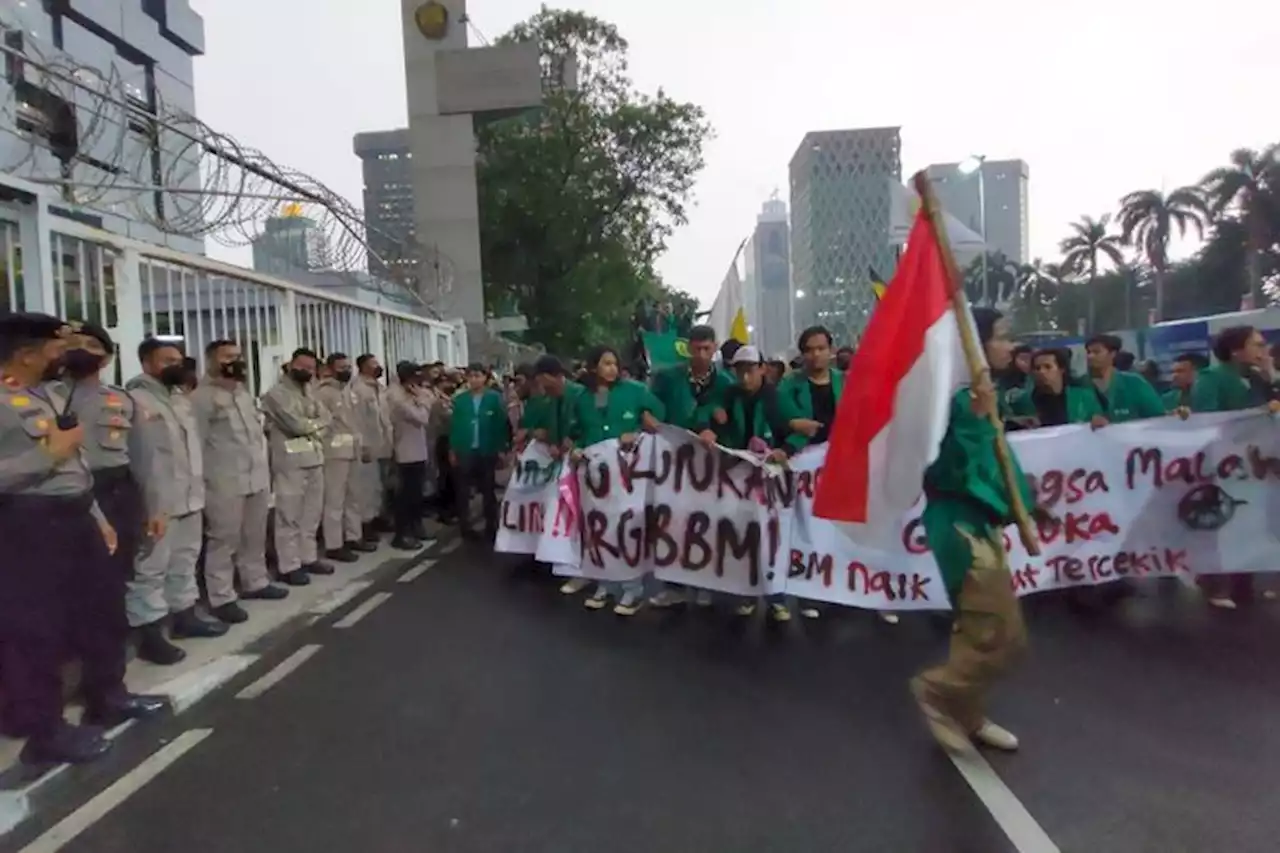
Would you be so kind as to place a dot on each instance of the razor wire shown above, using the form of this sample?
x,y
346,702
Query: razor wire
x,y
105,144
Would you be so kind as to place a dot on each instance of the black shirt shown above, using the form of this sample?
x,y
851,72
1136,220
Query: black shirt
x,y
1051,409
824,408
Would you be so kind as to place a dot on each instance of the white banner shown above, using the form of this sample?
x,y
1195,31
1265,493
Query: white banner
x,y
1156,498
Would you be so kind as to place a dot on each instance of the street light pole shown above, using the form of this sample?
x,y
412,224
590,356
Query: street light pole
x,y
968,166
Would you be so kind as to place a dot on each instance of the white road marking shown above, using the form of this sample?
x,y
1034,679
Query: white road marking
x,y
1012,816
363,610
451,547
76,823
416,572
338,597
190,687
281,671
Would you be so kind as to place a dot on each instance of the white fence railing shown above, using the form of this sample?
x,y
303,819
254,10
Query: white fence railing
x,y
135,289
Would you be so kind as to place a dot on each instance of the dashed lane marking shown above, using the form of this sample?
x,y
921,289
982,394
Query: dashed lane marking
x,y
279,673
372,603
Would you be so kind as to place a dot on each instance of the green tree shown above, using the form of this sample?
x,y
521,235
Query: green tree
x,y
1249,189
1001,280
1147,221
1039,285
578,198
1090,245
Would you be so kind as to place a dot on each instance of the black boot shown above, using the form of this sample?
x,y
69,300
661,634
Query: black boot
x,y
320,567
406,543
340,555
154,646
112,712
371,534
362,547
187,624
67,744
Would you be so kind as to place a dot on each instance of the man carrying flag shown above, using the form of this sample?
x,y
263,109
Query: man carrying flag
x,y
906,426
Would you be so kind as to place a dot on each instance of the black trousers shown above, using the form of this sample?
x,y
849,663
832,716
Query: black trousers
x,y
120,500
61,599
409,497
476,472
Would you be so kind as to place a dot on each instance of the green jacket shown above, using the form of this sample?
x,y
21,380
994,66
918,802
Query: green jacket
x,y
966,492
556,415
795,402
494,428
1174,398
626,402
671,387
1130,397
1082,404
766,420
1225,388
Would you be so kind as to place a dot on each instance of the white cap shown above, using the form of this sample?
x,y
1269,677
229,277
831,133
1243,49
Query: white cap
x,y
747,355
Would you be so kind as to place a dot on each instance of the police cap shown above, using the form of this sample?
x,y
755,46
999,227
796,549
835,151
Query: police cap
x,y
20,330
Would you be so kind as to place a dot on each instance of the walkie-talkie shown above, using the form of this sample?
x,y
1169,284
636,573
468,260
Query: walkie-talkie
x,y
68,419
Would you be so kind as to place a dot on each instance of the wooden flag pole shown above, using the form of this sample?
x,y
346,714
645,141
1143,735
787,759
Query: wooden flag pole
x,y
977,363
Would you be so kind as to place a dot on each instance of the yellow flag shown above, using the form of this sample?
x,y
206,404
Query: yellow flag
x,y
738,331
877,283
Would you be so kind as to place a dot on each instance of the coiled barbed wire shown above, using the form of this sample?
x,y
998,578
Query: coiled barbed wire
x,y
108,145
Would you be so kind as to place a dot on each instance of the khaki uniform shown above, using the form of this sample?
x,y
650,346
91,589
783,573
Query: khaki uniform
x,y
164,579
342,521
236,478
296,428
374,421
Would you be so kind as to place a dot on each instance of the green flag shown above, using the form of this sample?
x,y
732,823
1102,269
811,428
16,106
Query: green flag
x,y
664,349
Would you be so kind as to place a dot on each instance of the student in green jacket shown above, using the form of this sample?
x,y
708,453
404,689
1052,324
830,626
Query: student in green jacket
x,y
1124,396
1186,367
479,436
691,392
968,508
612,407
1053,399
808,399
1236,382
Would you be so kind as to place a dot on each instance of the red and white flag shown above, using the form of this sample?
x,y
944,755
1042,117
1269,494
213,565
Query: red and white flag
x,y
894,410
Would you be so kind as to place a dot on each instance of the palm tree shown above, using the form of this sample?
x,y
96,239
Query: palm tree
x,y
1086,248
1250,188
1147,221
1038,284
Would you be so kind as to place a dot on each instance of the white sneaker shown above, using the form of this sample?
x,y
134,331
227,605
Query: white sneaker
x,y
780,612
746,609
888,617
629,605
1222,602
598,600
996,737
810,613
573,586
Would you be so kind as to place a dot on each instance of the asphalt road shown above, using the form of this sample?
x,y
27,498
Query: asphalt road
x,y
479,712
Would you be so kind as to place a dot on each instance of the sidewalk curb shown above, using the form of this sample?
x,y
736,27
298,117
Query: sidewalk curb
x,y
20,802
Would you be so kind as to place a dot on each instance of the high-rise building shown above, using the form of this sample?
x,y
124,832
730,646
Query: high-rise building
x,y
386,163
130,59
841,203
289,244
1002,190
767,285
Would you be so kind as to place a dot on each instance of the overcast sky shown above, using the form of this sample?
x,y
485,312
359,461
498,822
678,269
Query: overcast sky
x,y
1100,97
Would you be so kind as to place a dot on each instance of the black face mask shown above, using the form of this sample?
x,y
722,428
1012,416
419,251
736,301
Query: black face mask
x,y
172,376
343,376
53,370
81,363
377,373
236,370
302,377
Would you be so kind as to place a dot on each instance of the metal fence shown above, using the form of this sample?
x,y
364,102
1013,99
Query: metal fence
x,y
136,290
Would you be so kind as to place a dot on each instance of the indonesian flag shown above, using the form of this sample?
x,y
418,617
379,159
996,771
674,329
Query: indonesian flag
x,y
897,396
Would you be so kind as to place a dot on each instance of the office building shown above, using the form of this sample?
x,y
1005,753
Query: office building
x,y
386,165
842,188
138,52
1002,191
290,244
767,284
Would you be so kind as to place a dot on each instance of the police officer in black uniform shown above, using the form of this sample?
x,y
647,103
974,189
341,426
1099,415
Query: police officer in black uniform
x,y
60,594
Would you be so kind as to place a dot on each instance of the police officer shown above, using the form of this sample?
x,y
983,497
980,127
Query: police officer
x,y
59,588
236,481
342,526
164,582
296,428
372,415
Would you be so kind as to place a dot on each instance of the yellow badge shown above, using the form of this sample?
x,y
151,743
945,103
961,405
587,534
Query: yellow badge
x,y
114,402
20,402
115,436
